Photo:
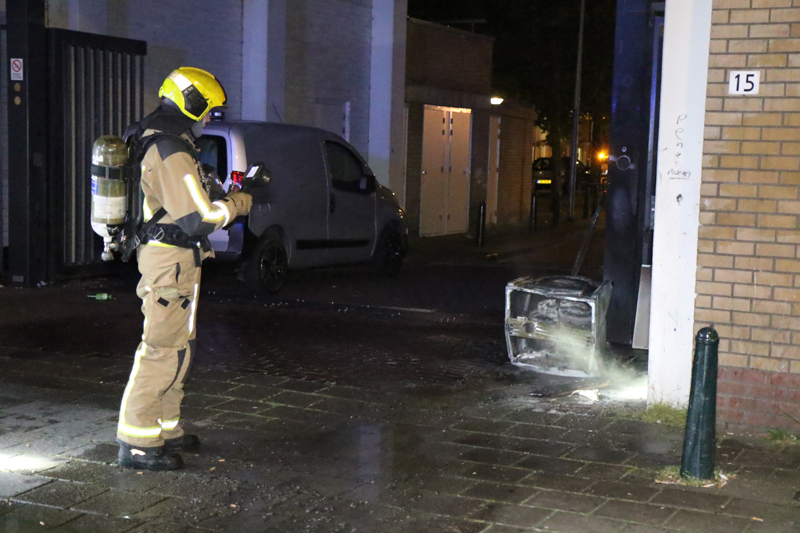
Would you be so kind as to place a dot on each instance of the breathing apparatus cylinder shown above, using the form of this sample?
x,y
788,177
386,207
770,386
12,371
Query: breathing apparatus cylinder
x,y
109,191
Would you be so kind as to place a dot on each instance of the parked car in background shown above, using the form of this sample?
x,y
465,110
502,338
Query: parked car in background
x,y
323,205
544,174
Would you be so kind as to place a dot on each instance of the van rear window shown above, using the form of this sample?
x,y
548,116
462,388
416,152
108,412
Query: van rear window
x,y
213,151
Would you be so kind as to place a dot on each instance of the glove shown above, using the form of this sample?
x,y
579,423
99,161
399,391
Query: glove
x,y
242,202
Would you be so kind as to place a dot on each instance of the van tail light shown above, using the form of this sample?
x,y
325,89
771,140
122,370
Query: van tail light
x,y
237,177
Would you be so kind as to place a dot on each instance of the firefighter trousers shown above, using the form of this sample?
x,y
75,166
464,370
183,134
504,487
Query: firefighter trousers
x,y
151,404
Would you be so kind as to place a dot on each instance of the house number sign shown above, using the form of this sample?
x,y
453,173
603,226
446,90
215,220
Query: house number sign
x,y
744,82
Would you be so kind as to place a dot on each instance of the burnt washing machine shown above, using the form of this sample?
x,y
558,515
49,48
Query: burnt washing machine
x,y
557,324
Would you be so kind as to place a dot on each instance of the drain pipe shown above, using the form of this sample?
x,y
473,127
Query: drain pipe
x,y
697,460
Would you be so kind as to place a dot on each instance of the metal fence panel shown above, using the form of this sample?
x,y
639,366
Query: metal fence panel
x,y
96,89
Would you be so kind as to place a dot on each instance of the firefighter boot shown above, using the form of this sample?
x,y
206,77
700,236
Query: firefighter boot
x,y
155,458
184,443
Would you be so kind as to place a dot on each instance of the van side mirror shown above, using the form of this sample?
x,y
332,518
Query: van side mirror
x,y
367,184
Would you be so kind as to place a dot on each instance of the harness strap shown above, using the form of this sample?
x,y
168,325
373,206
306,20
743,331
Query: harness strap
x,y
139,147
143,234
173,235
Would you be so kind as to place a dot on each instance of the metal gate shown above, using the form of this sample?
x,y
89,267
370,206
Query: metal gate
x,y
95,88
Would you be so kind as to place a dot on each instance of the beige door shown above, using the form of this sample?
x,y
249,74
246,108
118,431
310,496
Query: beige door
x,y
458,172
444,193
432,215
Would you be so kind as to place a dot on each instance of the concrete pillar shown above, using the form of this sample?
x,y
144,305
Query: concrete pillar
x,y
687,30
264,60
386,151
254,59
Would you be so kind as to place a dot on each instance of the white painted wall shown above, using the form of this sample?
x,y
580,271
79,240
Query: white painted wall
x,y
387,91
276,61
295,61
687,29
264,60
255,21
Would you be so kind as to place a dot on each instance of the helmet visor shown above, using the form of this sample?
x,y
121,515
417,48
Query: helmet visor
x,y
194,102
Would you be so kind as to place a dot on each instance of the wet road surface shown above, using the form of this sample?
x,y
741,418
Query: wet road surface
x,y
350,402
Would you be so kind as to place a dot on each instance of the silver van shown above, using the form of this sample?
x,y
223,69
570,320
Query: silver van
x,y
322,206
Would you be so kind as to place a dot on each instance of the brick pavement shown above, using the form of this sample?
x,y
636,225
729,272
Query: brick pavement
x,y
283,454
296,447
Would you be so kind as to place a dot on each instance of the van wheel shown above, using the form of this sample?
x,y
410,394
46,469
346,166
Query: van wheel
x,y
388,256
268,266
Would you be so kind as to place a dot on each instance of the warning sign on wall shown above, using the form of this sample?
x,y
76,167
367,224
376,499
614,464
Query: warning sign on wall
x,y
16,69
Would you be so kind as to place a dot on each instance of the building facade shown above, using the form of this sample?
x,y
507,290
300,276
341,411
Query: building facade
x,y
462,150
748,272
447,126
333,64
727,207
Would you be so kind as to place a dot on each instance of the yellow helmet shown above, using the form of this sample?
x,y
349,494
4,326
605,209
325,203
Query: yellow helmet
x,y
194,91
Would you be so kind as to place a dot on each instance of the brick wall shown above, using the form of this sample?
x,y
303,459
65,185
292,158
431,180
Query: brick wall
x,y
447,58
748,282
747,398
514,183
328,62
212,41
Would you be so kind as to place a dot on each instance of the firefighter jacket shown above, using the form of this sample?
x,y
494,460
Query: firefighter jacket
x,y
171,179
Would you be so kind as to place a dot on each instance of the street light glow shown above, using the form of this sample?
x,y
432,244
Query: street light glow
x,y
496,100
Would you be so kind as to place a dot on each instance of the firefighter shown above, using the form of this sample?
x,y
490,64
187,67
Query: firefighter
x,y
177,217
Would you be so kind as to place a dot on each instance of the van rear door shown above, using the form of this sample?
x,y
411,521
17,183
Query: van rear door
x,y
213,151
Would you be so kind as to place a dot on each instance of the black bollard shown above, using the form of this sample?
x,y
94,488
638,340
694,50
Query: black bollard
x,y
481,224
697,460
532,221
